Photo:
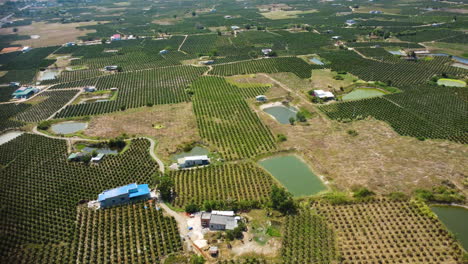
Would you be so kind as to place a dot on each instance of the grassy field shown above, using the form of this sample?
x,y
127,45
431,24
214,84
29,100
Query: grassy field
x,y
51,34
177,122
286,14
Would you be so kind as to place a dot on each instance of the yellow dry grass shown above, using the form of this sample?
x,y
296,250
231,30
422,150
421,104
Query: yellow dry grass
x,y
50,33
174,125
378,157
283,14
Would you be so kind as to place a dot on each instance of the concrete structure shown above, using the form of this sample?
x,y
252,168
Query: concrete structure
x,y
235,27
350,22
111,68
26,49
115,37
24,92
98,158
261,98
90,89
191,161
266,52
323,95
219,220
124,194
207,62
77,157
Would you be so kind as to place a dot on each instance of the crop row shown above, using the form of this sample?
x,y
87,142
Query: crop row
x,y
308,239
228,182
403,73
225,119
136,89
53,101
136,233
274,65
40,167
7,112
390,232
430,112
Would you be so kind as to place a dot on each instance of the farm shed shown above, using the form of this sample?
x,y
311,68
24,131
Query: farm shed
x,y
193,161
111,68
11,49
350,22
219,220
235,27
124,194
78,156
261,98
24,92
323,95
98,158
26,49
266,51
14,84
163,51
116,37
90,89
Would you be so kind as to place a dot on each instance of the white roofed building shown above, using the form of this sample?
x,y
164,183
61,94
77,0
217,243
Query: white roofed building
x,y
191,161
323,94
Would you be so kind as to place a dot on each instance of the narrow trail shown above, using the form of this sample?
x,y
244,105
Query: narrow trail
x,y
181,44
80,91
210,68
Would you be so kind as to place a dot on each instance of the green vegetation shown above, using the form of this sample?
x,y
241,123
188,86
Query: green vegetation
x,y
225,119
242,185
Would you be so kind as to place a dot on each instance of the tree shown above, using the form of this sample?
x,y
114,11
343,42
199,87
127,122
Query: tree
x,y
192,208
292,120
300,116
195,259
117,143
44,125
165,186
281,137
219,32
15,30
281,200
194,13
119,69
103,40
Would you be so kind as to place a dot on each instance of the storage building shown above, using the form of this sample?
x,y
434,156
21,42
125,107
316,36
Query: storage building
x,y
124,194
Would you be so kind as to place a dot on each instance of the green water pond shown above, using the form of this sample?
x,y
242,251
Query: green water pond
x,y
456,220
362,93
281,113
293,174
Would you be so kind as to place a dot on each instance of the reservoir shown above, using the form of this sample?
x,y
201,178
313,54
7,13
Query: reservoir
x,y
293,174
456,220
68,127
362,93
281,113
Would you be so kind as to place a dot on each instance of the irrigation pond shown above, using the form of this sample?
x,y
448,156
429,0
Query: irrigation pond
x,y
451,82
293,174
362,93
195,151
281,113
68,127
10,135
316,61
456,220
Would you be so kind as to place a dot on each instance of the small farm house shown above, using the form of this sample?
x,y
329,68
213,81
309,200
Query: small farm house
x,y
323,95
124,194
111,68
90,89
219,220
191,161
266,52
261,98
115,37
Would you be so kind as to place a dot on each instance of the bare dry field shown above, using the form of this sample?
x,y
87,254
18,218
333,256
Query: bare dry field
x,y
274,92
282,14
51,34
173,125
377,158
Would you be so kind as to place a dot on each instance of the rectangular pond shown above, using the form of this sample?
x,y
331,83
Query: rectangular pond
x,y
456,220
362,93
68,127
195,151
293,174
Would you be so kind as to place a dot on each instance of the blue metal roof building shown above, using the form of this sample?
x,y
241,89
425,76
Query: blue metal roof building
x,y
124,194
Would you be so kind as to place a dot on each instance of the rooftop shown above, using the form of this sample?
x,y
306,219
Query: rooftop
x,y
229,221
132,189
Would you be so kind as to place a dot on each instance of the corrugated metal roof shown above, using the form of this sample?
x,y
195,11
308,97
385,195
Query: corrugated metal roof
x,y
132,189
